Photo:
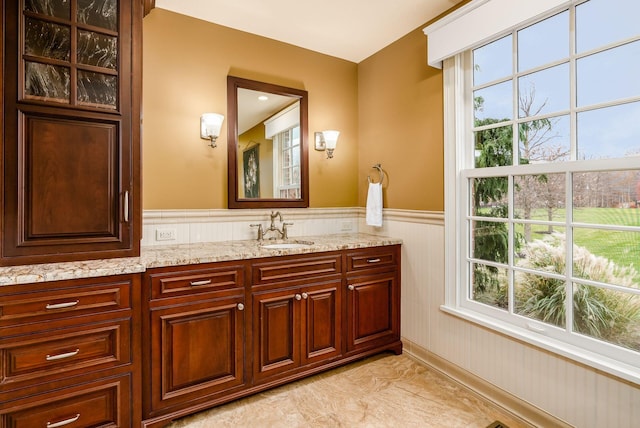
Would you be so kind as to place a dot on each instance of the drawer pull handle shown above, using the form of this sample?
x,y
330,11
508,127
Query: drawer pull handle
x,y
373,260
62,305
351,287
240,307
62,356
203,282
298,297
305,295
63,423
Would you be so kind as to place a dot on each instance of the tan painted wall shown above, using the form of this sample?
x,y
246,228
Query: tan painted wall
x,y
401,125
186,62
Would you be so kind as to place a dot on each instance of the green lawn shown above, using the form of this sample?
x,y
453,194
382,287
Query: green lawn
x,y
623,248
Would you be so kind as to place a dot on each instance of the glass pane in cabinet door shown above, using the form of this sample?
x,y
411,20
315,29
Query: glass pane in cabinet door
x,y
97,89
57,8
47,82
97,49
101,13
47,40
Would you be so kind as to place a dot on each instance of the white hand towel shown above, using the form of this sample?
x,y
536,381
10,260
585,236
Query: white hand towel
x,y
374,205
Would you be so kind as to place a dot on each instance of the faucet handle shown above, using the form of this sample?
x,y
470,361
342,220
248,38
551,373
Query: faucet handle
x,y
260,231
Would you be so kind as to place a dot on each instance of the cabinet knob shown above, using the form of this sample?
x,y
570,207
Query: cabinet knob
x,y
351,287
305,295
240,307
298,297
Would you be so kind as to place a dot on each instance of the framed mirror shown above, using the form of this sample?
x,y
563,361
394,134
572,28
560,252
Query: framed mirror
x,y
267,145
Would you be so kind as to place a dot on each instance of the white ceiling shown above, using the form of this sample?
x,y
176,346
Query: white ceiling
x,y
347,29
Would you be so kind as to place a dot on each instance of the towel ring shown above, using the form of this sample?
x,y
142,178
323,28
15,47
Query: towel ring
x,y
379,168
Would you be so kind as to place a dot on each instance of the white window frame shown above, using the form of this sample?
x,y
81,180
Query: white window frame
x,y
458,111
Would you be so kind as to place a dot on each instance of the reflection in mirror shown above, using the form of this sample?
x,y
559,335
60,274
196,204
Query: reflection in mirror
x,y
267,145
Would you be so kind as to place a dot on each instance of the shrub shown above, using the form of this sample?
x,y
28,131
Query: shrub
x,y
599,312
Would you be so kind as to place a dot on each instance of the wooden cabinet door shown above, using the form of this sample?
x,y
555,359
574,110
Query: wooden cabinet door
x,y
373,311
276,332
197,350
321,322
71,131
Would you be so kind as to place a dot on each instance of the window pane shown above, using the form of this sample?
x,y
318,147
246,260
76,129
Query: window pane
x,y
539,197
609,75
490,285
540,297
544,42
540,247
609,315
493,104
489,196
608,256
493,147
490,241
612,132
492,61
604,197
544,92
545,140
613,20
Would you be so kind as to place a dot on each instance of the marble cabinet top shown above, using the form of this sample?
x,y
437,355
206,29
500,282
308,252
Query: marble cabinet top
x,y
185,254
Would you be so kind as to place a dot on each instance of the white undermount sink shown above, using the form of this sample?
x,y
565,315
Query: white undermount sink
x,y
287,245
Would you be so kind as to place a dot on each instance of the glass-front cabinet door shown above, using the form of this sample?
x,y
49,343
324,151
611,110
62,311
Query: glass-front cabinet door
x,y
70,52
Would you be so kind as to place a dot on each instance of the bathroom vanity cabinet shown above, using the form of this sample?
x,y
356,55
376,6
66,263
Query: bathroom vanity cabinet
x,y
220,331
69,353
194,335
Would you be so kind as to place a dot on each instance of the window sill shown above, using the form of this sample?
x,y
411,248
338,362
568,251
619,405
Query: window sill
x,y
591,359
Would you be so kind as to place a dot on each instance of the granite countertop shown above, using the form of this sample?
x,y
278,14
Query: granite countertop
x,y
184,254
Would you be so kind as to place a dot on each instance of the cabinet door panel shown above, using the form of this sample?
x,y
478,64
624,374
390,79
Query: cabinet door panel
x,y
198,350
322,333
373,313
276,333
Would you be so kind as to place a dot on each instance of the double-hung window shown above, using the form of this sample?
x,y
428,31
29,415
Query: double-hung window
x,y
546,125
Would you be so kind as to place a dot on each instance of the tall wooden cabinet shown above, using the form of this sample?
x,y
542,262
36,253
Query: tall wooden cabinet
x,y
71,89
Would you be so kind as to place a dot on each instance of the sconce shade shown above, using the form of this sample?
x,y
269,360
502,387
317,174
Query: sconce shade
x,y
210,124
331,138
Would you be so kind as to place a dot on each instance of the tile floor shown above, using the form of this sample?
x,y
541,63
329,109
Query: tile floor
x,y
381,391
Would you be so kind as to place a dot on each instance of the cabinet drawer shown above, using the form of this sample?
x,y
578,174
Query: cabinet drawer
x,y
22,304
373,258
47,356
296,268
181,282
101,404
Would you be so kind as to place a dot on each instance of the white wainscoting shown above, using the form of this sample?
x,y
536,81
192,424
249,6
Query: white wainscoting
x,y
541,387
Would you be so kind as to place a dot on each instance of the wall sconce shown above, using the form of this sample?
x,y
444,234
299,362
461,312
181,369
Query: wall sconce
x,y
326,140
210,124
